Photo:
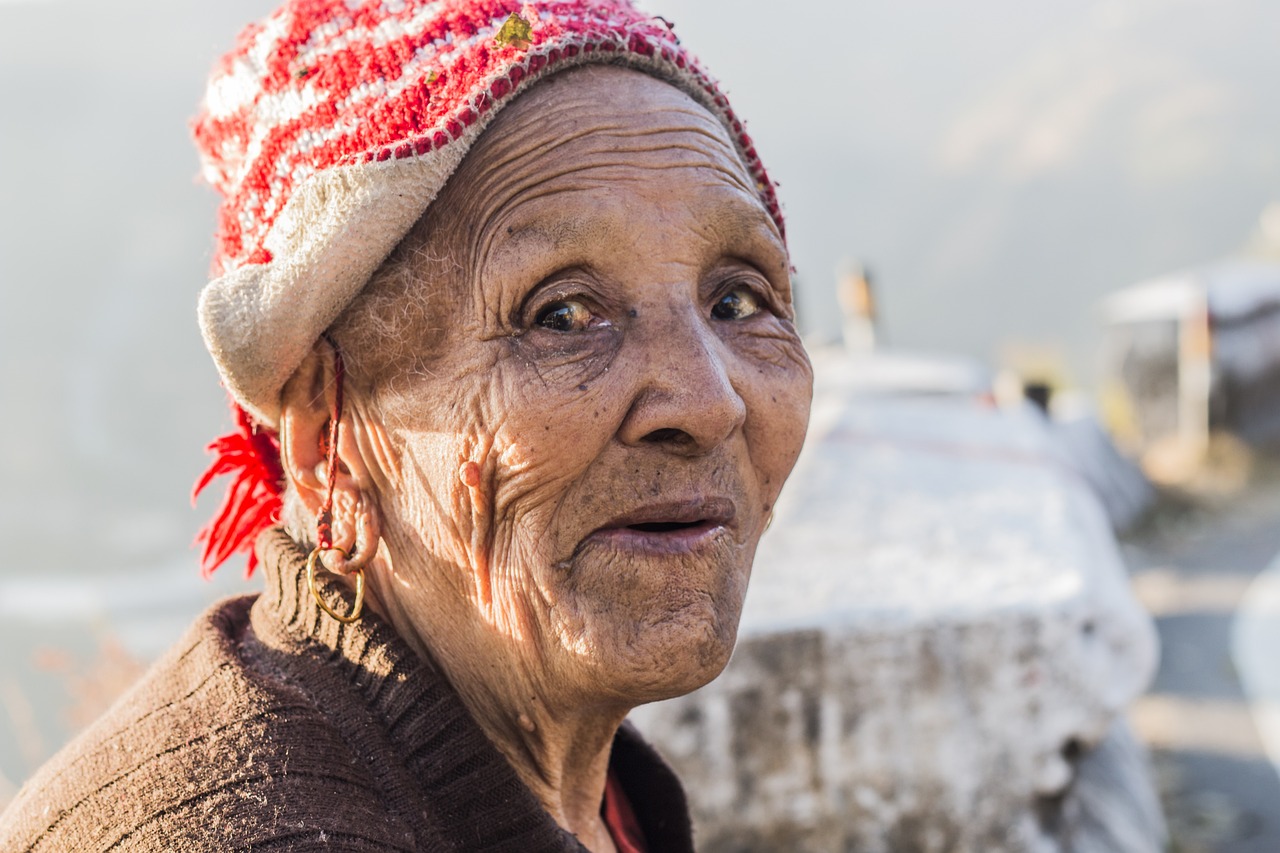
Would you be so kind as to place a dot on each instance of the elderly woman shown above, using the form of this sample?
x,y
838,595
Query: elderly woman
x,y
502,299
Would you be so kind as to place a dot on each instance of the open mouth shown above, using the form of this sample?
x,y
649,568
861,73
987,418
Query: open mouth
x,y
670,527
666,526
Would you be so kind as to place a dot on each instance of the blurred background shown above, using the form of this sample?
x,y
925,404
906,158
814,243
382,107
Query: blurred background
x,y
995,170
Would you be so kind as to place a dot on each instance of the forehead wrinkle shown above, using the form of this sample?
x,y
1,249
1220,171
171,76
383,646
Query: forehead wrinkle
x,y
500,189
610,176
499,186
521,133
521,129
501,203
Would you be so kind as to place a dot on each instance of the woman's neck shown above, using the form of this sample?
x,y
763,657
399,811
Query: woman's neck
x,y
559,745
561,755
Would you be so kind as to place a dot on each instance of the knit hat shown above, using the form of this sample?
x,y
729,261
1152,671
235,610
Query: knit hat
x,y
328,130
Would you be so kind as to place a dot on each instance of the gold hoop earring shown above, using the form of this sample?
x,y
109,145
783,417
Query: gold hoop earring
x,y
312,559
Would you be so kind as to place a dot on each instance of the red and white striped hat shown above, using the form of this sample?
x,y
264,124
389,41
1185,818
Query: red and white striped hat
x,y
328,131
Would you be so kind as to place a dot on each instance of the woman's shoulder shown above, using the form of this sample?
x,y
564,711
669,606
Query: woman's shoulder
x,y
208,751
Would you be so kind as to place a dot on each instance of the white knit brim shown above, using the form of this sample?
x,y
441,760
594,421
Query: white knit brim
x,y
260,321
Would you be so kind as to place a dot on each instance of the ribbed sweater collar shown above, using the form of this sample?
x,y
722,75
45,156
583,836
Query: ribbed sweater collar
x,y
434,763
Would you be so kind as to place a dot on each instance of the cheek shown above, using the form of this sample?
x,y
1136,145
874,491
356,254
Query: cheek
x,y
427,499
438,432
777,419
546,436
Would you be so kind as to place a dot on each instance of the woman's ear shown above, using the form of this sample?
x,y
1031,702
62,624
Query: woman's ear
x,y
304,419
307,406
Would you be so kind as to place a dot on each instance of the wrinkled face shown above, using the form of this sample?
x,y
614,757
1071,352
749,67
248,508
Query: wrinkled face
x,y
611,394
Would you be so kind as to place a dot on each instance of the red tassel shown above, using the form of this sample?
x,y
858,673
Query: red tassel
x,y
251,456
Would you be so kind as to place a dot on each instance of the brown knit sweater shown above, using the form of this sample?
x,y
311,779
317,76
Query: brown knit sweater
x,y
270,726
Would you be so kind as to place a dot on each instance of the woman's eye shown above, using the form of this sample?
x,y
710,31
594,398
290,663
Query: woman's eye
x,y
565,316
738,304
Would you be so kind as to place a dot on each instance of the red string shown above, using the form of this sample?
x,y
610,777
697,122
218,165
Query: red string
x,y
324,519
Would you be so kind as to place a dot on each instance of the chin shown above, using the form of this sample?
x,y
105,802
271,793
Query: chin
x,y
649,630
675,655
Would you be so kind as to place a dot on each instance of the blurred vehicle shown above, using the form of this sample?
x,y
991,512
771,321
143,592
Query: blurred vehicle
x,y
1195,353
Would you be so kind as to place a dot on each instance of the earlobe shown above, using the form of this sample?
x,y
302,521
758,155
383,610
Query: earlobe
x,y
356,533
333,483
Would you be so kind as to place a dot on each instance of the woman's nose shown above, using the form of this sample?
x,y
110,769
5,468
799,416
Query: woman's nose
x,y
685,398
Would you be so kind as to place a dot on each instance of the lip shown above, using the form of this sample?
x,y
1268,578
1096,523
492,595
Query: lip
x,y
700,520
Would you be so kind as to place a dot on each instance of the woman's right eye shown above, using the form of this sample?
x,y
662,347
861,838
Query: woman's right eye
x,y
567,315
